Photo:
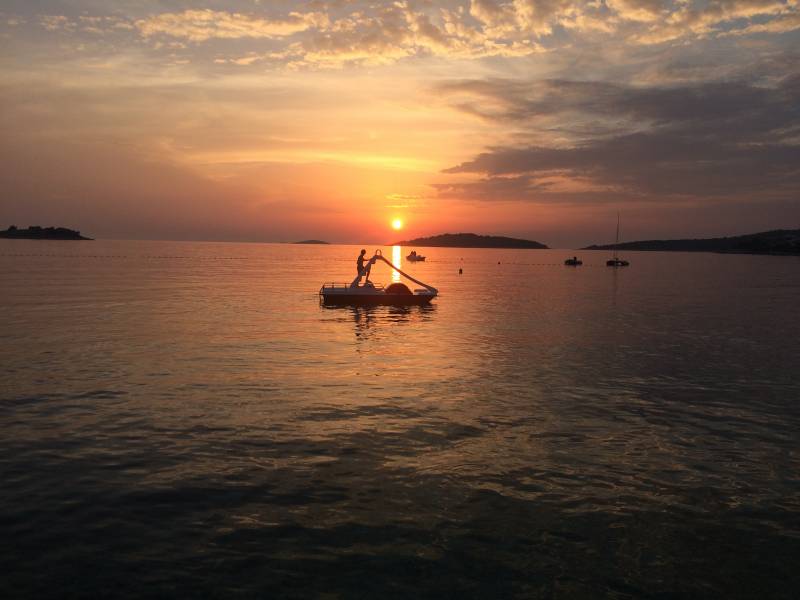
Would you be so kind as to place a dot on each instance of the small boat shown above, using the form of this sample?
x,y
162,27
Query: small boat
x,y
368,293
414,257
573,262
616,261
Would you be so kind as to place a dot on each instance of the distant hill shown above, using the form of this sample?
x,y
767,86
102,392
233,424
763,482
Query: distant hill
x,y
312,242
471,240
35,232
779,241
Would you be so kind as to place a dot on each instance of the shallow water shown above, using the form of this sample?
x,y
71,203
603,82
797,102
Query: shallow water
x,y
186,420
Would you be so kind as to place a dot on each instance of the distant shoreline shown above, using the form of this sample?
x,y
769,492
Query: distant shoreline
x,y
748,252
778,242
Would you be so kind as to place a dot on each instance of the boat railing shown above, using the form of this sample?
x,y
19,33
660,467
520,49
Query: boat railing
x,y
340,285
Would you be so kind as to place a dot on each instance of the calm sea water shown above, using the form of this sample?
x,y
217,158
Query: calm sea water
x,y
186,420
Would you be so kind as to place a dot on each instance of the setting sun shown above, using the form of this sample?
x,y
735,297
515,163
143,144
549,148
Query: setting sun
x,y
397,224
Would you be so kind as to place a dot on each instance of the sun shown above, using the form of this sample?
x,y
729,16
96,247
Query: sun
x,y
397,224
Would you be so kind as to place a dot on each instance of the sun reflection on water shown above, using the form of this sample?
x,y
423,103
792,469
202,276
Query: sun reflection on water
x,y
397,256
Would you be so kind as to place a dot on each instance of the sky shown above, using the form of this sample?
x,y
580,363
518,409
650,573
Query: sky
x,y
257,120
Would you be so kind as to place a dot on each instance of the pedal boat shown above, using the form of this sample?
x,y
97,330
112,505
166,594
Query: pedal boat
x,y
370,294
396,294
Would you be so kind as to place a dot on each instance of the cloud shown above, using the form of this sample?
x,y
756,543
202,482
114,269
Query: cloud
x,y
391,33
635,21
707,140
57,23
497,16
537,17
203,25
698,19
336,35
782,24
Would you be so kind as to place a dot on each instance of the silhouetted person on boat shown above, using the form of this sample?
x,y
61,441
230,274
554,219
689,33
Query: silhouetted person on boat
x,y
360,263
363,270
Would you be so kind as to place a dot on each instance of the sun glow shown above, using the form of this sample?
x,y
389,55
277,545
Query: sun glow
x,y
397,224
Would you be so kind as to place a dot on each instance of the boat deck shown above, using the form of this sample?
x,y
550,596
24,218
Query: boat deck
x,y
343,293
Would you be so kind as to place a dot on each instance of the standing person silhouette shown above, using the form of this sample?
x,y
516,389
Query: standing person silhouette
x,y
362,270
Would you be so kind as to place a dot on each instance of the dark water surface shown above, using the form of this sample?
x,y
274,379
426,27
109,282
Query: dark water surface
x,y
186,420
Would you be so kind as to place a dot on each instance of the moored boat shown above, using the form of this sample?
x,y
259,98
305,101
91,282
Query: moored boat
x,y
616,261
414,257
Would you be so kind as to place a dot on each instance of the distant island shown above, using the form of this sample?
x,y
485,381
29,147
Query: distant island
x,y
34,232
779,241
311,242
471,240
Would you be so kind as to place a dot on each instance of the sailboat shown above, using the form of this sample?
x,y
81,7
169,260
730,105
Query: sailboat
x,y
616,261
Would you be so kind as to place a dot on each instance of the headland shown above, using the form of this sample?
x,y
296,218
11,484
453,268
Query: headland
x,y
35,232
471,240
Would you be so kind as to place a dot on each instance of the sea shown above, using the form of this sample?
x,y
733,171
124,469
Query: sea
x,y
187,420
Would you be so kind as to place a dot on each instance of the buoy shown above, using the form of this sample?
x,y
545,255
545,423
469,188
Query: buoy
x,y
460,271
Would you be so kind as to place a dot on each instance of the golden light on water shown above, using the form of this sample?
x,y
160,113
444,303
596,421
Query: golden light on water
x,y
397,224
397,257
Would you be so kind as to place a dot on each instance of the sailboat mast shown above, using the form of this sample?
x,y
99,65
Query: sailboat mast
x,y
616,241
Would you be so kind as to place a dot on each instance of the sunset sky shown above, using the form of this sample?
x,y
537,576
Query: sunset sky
x,y
277,121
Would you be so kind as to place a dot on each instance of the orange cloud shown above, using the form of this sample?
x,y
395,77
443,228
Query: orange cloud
x,y
202,25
